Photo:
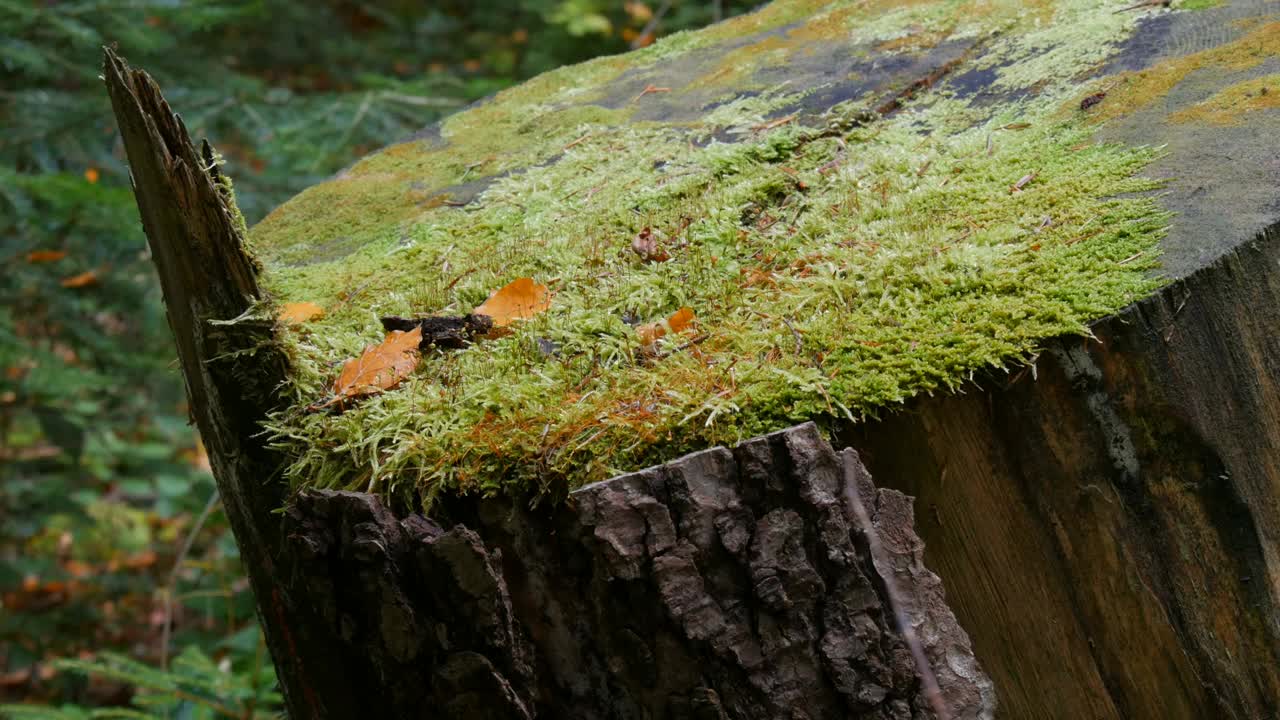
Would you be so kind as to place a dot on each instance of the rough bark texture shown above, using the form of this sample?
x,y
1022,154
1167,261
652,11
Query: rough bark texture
x,y
726,584
1108,526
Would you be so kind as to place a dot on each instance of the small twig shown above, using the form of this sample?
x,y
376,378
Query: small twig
x,y
795,333
351,296
650,89
651,26
172,583
453,282
472,166
695,341
776,123
1145,4
1023,181
576,142
1181,305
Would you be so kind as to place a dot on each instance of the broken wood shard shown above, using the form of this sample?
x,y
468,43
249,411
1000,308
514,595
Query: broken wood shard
x,y
206,275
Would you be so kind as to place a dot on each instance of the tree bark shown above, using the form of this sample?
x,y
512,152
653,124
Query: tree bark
x,y
232,369
726,584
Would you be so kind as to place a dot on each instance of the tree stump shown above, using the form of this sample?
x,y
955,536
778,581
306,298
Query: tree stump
x,y
1104,516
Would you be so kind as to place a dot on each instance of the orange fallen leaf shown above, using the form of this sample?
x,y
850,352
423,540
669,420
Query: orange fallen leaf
x,y
15,678
45,256
679,321
755,277
78,569
520,299
84,279
300,312
380,367
142,560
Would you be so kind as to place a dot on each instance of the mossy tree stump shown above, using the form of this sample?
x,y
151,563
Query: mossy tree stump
x,y
1023,257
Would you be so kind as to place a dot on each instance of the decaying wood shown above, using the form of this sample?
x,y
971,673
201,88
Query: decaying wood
x,y
450,331
726,584
231,367
1108,527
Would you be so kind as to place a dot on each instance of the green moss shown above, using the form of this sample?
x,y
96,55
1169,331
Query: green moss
x,y
833,274
1134,91
1226,106
229,193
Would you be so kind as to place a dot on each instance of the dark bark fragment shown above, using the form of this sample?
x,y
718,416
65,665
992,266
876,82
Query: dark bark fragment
x,y
232,370
447,331
726,584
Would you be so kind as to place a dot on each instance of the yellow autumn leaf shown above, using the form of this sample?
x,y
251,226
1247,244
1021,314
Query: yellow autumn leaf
x,y
679,321
300,312
84,279
520,299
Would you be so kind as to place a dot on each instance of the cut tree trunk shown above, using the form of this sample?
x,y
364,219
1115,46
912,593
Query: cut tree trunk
x,y
1107,522
743,584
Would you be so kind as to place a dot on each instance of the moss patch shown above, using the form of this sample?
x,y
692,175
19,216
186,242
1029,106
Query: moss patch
x,y
1134,91
1198,4
1228,105
836,267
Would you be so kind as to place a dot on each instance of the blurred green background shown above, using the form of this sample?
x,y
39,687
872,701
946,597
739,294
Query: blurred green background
x,y
120,589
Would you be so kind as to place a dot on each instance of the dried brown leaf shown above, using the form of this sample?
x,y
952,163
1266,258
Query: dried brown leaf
x,y
380,367
679,321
